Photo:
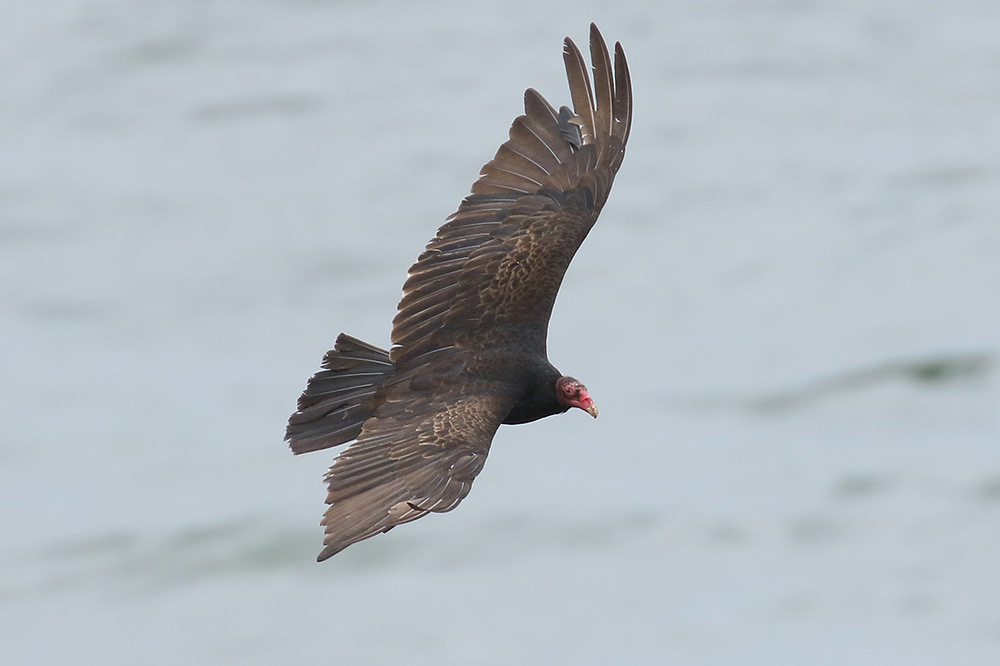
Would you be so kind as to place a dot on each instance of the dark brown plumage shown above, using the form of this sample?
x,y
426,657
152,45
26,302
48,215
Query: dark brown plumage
x,y
468,341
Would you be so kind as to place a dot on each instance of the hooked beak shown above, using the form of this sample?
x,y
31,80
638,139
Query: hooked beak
x,y
586,403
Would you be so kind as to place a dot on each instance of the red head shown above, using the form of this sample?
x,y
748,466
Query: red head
x,y
572,393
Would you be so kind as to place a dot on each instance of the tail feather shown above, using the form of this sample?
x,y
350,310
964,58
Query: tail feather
x,y
339,398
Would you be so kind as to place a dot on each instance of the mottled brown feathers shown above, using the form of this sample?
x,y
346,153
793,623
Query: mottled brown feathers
x,y
469,338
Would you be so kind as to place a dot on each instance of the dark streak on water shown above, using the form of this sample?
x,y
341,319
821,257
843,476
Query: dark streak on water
x,y
940,370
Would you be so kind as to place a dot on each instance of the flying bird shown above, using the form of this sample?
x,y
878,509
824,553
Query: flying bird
x,y
469,339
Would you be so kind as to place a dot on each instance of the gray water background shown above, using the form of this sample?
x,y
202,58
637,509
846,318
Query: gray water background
x,y
788,314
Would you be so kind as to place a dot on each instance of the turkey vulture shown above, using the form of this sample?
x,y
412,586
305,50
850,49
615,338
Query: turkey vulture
x,y
468,342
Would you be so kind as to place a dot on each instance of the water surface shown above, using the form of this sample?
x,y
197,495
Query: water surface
x,y
787,313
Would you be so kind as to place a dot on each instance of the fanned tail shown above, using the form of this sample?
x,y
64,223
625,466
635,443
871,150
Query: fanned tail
x,y
339,398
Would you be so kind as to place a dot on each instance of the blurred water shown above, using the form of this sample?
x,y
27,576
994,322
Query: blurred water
x,y
788,315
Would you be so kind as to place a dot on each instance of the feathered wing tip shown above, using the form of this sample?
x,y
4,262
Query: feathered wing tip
x,y
542,151
603,110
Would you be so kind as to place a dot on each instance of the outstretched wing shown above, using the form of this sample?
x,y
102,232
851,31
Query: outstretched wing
x,y
499,260
418,454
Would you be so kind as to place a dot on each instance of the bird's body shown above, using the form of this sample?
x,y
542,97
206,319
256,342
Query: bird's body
x,y
469,338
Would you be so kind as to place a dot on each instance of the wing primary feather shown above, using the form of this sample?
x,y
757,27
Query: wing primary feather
x,y
623,98
523,124
604,94
579,88
515,151
519,175
535,104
